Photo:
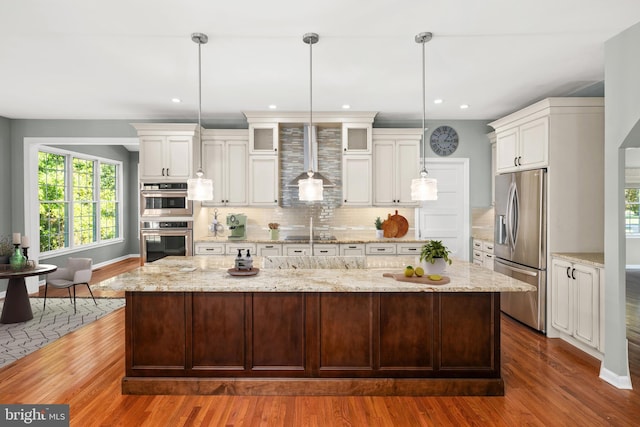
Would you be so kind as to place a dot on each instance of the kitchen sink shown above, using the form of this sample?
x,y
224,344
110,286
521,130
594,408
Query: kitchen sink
x,y
305,238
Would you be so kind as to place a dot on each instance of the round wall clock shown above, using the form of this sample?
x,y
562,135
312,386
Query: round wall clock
x,y
444,140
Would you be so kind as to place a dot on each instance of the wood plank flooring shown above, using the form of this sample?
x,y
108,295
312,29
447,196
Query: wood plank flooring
x,y
547,382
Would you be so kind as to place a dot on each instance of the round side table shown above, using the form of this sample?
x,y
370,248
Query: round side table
x,y
17,307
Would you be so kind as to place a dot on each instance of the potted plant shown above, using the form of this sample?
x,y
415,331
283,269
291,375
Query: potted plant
x,y
6,249
379,230
434,257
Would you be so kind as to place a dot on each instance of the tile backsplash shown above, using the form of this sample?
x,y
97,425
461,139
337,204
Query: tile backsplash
x,y
342,222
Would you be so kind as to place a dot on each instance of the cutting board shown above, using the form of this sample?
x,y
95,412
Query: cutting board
x,y
415,279
403,224
390,227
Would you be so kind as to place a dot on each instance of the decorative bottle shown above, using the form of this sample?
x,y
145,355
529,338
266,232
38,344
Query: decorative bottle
x,y
17,260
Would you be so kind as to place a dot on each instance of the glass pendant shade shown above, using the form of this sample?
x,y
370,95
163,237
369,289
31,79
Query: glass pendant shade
x,y
424,188
199,188
310,189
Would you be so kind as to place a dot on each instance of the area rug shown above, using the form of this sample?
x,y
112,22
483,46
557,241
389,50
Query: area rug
x,y
19,339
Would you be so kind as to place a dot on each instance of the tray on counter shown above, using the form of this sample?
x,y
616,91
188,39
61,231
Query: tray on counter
x,y
236,272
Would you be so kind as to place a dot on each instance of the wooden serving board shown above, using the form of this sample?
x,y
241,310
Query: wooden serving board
x,y
403,224
415,279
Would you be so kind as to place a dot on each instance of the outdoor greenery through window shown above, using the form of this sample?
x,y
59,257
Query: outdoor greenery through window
x,y
631,210
79,200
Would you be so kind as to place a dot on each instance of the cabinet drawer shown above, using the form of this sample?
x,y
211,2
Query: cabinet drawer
x,y
487,247
408,248
325,250
209,249
477,255
269,249
381,249
477,244
232,248
478,262
297,250
352,249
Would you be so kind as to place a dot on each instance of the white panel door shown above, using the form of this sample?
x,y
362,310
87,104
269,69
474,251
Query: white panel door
x,y
213,163
356,180
384,173
447,218
236,173
179,157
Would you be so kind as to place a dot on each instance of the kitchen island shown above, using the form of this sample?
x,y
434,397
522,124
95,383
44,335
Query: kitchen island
x,y
191,328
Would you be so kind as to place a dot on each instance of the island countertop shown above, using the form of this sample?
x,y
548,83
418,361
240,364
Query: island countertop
x,y
209,274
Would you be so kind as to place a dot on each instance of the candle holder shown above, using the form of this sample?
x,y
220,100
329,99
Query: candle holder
x,y
25,253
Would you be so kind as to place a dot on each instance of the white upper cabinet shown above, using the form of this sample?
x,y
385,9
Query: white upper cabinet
x,y
225,161
263,181
356,138
166,151
356,180
263,138
396,161
523,147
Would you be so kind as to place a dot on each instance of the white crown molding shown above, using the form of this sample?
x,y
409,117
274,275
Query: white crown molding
x,y
303,116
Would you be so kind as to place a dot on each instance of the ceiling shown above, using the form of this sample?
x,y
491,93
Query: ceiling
x,y
117,59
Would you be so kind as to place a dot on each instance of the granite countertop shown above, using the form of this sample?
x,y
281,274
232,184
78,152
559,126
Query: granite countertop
x,y
338,274
595,259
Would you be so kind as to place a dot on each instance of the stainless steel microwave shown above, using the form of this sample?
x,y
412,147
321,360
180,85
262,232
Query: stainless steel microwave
x,y
165,200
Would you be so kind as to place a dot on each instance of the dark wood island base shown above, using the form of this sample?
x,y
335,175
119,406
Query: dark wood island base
x,y
298,343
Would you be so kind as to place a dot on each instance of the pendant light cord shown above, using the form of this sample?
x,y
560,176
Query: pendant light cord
x,y
311,106
200,101
424,112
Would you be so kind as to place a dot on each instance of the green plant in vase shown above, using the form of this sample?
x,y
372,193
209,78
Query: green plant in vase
x,y
435,257
434,249
379,231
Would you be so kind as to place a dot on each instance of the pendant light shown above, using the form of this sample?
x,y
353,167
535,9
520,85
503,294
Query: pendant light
x,y
424,188
199,188
310,189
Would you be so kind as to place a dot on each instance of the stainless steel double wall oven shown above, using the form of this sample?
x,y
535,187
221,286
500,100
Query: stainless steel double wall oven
x,y
166,221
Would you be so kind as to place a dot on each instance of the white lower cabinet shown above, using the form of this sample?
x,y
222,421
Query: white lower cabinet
x,y
296,249
326,249
352,249
232,248
483,253
575,302
380,249
209,249
269,249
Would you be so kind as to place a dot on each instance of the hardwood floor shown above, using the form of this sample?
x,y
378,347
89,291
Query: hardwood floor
x,y
547,382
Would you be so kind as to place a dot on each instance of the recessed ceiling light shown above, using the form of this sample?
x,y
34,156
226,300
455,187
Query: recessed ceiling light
x,y
346,106
176,100
273,107
437,101
464,106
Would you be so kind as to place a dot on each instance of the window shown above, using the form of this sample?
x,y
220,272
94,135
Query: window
x,y
79,198
631,217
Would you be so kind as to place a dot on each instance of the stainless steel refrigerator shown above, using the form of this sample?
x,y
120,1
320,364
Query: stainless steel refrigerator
x,y
520,245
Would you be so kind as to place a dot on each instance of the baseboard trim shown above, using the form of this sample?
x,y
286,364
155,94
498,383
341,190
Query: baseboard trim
x,y
623,382
114,260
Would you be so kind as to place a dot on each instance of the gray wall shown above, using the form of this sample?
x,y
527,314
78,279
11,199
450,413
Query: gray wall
x,y
473,144
78,128
622,114
5,176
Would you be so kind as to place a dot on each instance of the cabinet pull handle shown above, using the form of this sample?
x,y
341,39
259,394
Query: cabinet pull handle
x,y
568,270
488,255
379,249
324,251
352,247
275,149
167,171
412,249
345,150
297,251
519,160
573,274
269,246
515,161
162,171
345,200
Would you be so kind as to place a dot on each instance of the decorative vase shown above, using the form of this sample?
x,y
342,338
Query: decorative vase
x,y
379,234
275,233
17,260
438,267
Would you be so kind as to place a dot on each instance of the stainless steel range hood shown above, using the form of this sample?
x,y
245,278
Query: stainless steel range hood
x,y
310,144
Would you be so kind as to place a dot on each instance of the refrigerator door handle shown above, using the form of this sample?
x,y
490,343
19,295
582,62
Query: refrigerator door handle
x,y
509,215
518,270
516,216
